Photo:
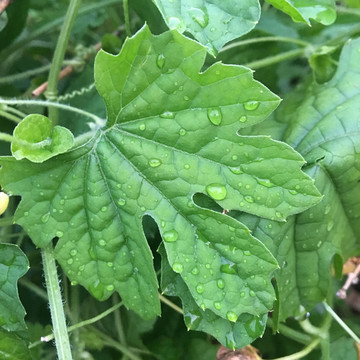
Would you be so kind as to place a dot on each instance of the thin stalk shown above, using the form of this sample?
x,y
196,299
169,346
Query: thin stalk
x,y
79,325
17,112
171,304
302,353
341,322
312,330
59,54
345,10
27,74
119,326
291,333
52,104
56,306
10,117
34,288
6,137
127,18
265,39
257,64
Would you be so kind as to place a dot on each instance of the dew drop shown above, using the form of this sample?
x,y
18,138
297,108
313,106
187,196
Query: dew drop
x,y
228,269
252,293
170,236
278,214
45,218
247,253
195,271
217,305
110,287
59,234
182,132
231,316
216,191
154,162
74,283
243,118
104,208
232,229
26,213
62,202
265,182
200,17
242,294
167,115
236,170
187,166
214,115
110,264
177,267
121,202
251,105
330,225
200,288
176,23
186,98
234,157
142,127
102,242
160,61
203,307
220,283
293,192
249,198
70,261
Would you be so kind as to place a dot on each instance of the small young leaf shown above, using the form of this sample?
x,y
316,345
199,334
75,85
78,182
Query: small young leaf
x,y
37,140
213,23
13,265
322,11
171,132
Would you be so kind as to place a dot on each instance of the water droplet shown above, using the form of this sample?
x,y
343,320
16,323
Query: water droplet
x,y
228,269
182,132
176,23
220,283
70,261
247,186
231,316
110,264
242,294
278,214
236,170
104,208
252,293
216,191
62,202
118,186
200,17
121,202
284,264
190,204
170,236
187,166
330,225
234,157
217,305
214,115
45,218
249,198
74,283
160,61
247,253
167,115
327,209
154,162
163,223
297,187
102,242
142,127
200,288
186,98
265,182
195,271
243,118
251,105
177,267
232,229
203,307
26,213
59,234
110,287
293,192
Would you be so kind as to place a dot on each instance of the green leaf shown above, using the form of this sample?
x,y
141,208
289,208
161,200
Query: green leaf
x,y
12,347
36,139
233,334
171,133
322,11
212,22
321,122
13,265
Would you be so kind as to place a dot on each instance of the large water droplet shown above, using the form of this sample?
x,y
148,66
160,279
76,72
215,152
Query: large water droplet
x,y
251,105
236,170
45,218
168,115
200,288
217,305
265,182
249,198
231,316
121,202
178,268
73,252
182,132
216,191
214,115
59,234
220,283
170,236
154,162
160,61
228,269
200,17
195,271
252,293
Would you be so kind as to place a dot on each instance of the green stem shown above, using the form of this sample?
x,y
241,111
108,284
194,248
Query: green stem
x,y
59,54
10,116
302,353
27,74
6,137
34,288
345,10
17,112
118,325
97,120
257,64
265,39
79,325
341,322
127,18
312,330
171,304
291,333
56,306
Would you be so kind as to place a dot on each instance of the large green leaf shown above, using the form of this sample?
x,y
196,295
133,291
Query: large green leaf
x,y
212,22
13,347
322,11
13,265
321,122
171,132
232,332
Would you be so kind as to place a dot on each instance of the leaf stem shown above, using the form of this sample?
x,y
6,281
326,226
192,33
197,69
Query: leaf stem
x,y
341,322
30,102
56,306
118,324
127,18
302,353
264,39
6,137
59,54
171,304
10,116
257,64
291,333
34,288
